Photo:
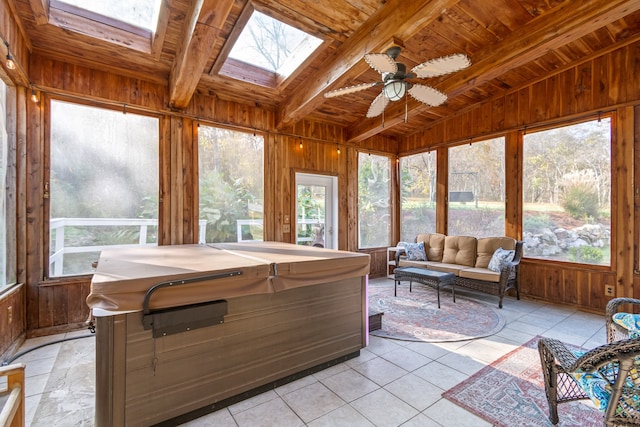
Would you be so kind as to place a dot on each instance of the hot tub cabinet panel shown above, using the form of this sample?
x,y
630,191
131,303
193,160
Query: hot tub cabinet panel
x,y
141,380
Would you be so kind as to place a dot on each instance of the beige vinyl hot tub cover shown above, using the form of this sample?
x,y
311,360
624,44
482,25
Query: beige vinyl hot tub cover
x,y
123,276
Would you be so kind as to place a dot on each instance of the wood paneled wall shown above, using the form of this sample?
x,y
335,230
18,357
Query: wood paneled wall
x,y
286,158
588,88
585,88
178,180
12,326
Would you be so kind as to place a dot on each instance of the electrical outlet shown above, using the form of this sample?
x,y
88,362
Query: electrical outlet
x,y
608,290
286,228
10,315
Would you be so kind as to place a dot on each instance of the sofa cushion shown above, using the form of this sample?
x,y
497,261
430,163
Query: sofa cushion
x,y
433,245
480,274
445,267
415,251
406,263
432,265
488,245
500,258
460,250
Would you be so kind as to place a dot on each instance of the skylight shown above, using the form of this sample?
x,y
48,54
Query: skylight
x,y
138,13
273,45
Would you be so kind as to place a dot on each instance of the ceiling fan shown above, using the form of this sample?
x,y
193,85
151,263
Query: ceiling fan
x,y
394,79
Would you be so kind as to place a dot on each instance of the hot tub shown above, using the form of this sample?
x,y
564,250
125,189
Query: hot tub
x,y
184,330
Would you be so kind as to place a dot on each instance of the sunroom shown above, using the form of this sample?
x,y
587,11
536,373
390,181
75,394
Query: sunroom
x,y
352,126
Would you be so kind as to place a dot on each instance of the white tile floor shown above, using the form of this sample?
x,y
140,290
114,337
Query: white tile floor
x,y
391,383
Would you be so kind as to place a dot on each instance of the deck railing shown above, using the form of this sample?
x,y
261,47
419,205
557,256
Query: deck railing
x,y
58,226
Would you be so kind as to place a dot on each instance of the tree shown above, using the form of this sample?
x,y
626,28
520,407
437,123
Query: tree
x,y
231,166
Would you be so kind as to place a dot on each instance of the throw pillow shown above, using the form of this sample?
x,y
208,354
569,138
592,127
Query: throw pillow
x,y
500,258
631,322
415,252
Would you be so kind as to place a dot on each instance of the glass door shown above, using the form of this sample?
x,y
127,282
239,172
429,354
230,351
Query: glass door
x,y
315,210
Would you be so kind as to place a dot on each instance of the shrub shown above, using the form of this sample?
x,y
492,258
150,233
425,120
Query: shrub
x,y
586,254
535,224
579,196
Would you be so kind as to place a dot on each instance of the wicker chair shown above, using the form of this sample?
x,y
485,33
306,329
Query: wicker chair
x,y
616,366
616,332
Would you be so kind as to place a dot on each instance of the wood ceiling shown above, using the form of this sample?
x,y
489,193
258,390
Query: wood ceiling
x,y
510,43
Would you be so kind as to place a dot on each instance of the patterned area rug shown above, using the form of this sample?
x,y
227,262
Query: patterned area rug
x,y
415,316
510,392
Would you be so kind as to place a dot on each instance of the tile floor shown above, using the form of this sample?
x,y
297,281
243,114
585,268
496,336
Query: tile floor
x,y
391,383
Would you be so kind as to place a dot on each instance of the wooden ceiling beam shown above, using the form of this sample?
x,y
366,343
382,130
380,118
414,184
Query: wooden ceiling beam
x,y
568,22
200,31
396,19
40,11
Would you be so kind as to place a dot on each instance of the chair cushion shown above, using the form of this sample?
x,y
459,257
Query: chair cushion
x,y
415,252
631,322
595,385
500,258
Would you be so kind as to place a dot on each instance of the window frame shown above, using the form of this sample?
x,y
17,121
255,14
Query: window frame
x,y
391,163
102,27
612,143
46,229
488,139
229,67
265,214
11,186
433,195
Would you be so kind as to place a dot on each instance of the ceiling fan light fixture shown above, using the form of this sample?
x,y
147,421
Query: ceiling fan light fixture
x,y
394,80
394,90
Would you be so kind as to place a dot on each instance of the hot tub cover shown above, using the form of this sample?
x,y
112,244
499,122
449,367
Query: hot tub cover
x,y
124,276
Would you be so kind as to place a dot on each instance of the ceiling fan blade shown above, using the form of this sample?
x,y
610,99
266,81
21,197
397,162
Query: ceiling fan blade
x,y
349,89
427,95
381,62
377,106
441,66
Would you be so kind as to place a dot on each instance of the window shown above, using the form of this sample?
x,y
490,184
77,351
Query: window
x,y
417,195
267,51
7,195
138,13
103,184
231,169
567,193
128,23
476,189
374,212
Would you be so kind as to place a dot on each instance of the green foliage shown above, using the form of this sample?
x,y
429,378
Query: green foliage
x,y
537,223
373,200
309,207
579,197
148,207
231,167
586,254
222,203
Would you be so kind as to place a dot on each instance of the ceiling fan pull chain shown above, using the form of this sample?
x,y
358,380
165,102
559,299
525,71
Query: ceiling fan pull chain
x,y
406,107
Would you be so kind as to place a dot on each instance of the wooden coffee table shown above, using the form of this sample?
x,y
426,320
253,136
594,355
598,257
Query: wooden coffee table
x,y
432,278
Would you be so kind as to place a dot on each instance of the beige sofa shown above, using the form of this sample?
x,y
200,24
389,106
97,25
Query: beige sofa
x,y
468,258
